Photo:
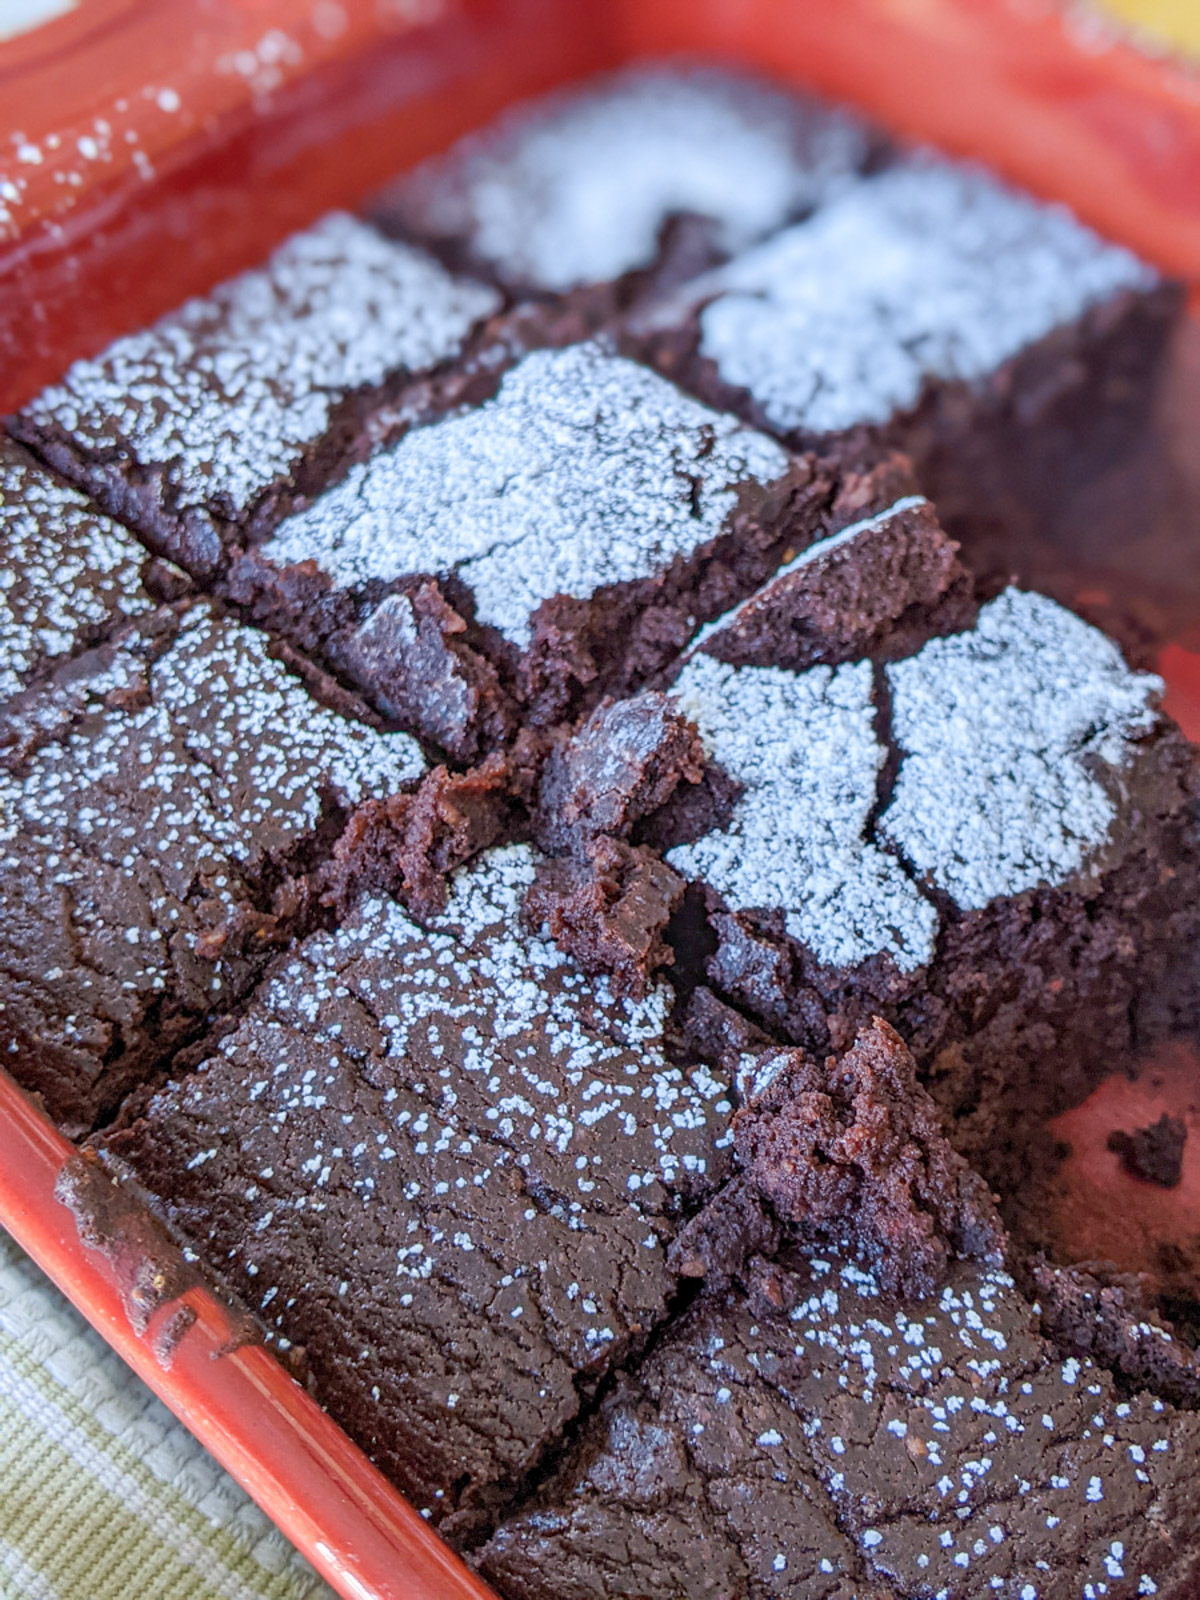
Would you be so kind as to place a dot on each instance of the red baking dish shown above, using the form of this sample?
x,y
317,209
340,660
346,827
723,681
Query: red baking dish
x,y
236,142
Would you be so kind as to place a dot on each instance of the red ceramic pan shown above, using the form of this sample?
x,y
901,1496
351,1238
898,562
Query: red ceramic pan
x,y
252,116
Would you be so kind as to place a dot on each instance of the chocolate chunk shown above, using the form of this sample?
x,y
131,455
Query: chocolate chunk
x,y
624,762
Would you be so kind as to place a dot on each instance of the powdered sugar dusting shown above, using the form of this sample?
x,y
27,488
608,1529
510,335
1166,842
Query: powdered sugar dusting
x,y
226,392
530,1052
584,470
575,189
804,747
456,1168
929,271
1001,731
221,765
68,574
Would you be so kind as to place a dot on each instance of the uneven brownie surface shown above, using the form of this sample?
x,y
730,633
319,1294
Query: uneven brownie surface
x,y
72,579
196,424
158,843
927,272
581,522
577,188
449,1166
811,1437
964,840
470,1159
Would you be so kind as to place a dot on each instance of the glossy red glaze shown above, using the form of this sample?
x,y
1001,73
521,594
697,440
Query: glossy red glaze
x,y
1094,122
266,1430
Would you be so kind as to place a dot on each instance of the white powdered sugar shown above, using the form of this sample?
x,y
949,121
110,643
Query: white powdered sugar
x,y
224,764
1002,731
929,271
228,391
1003,734
584,470
804,747
575,189
67,576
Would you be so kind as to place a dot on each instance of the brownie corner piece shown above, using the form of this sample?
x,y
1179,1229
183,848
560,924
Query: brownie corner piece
x,y
504,1147
157,847
708,161
74,582
1006,347
208,424
802,1434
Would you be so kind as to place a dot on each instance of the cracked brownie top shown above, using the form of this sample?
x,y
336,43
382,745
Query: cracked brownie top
x,y
576,188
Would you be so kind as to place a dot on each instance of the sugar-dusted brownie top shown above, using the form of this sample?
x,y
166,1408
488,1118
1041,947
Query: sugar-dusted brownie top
x,y
448,1165
72,578
152,848
1002,733
925,274
235,400
576,189
812,1438
984,836
582,521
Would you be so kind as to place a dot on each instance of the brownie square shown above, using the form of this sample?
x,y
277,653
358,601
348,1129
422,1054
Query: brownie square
x,y
811,1437
559,541
450,1167
633,179
156,848
1010,351
986,837
213,421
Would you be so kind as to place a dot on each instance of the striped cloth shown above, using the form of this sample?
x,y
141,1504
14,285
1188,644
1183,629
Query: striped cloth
x,y
103,1495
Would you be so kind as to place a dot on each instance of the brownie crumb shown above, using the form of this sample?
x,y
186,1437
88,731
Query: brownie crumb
x,y
609,909
1154,1153
411,652
408,844
852,1152
624,762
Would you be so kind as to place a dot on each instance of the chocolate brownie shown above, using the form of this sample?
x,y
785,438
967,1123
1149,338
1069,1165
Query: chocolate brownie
x,y
73,581
158,845
632,179
809,1436
989,841
213,421
450,1167
561,539
1010,351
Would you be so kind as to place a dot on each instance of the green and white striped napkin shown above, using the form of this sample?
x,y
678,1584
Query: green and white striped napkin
x,y
103,1495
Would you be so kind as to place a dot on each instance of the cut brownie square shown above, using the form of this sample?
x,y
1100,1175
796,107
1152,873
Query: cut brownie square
x,y
73,580
989,841
155,848
579,524
231,408
636,178
812,1438
450,1167
1006,348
